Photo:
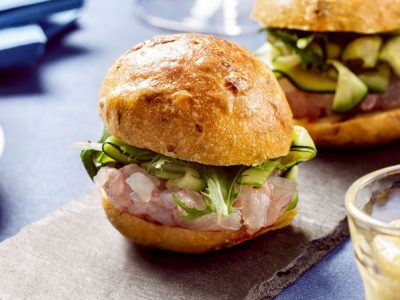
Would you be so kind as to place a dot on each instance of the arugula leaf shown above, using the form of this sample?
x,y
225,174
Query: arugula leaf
x,y
233,192
191,212
221,189
219,195
106,134
217,189
89,156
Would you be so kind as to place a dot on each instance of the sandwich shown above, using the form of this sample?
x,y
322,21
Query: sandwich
x,y
339,64
199,151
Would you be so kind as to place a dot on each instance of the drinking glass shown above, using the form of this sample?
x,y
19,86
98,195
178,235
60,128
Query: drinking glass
x,y
229,17
373,210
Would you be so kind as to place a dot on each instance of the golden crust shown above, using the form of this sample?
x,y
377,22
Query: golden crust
x,y
366,129
179,239
197,97
363,16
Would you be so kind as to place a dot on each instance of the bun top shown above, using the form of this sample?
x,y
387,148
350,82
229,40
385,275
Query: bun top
x,y
362,16
198,98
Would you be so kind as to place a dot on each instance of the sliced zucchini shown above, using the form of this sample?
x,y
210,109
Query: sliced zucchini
x,y
103,158
256,176
283,48
301,138
277,74
303,42
298,155
292,174
306,80
114,140
191,180
166,175
294,202
131,151
287,61
124,153
165,168
390,53
377,80
302,148
117,154
266,53
364,49
332,73
350,89
317,49
332,50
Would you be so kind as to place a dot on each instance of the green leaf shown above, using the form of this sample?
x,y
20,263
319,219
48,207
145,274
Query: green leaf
x,y
191,212
106,134
217,189
233,192
221,190
87,158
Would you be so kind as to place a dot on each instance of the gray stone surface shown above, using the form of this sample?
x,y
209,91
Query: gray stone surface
x,y
74,253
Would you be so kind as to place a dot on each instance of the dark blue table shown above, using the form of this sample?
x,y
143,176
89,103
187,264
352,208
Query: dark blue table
x,y
43,110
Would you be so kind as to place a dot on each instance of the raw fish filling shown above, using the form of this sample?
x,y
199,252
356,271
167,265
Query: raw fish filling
x,y
133,190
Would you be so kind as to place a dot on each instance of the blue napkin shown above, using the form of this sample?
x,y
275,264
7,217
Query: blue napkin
x,y
17,12
27,25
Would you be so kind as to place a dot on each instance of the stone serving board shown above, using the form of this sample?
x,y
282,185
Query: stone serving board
x,y
74,253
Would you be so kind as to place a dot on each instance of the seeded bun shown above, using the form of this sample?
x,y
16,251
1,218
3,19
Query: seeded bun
x,y
362,16
366,129
198,98
180,239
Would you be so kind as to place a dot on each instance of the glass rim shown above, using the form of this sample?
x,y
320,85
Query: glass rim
x,y
184,26
361,216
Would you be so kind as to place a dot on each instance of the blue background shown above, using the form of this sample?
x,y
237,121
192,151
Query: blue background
x,y
43,110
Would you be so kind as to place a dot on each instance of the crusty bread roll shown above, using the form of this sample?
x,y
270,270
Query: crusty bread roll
x,y
198,98
362,16
180,239
365,129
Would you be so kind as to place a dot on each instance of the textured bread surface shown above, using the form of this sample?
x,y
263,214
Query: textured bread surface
x,y
180,239
362,16
198,98
365,129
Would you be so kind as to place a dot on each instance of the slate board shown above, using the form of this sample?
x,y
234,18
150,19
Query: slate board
x,y
74,253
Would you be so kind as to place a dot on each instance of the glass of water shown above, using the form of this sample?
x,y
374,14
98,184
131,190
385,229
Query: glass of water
x,y
229,17
373,209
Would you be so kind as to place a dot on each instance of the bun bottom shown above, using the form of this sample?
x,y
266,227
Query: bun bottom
x,y
366,129
180,239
